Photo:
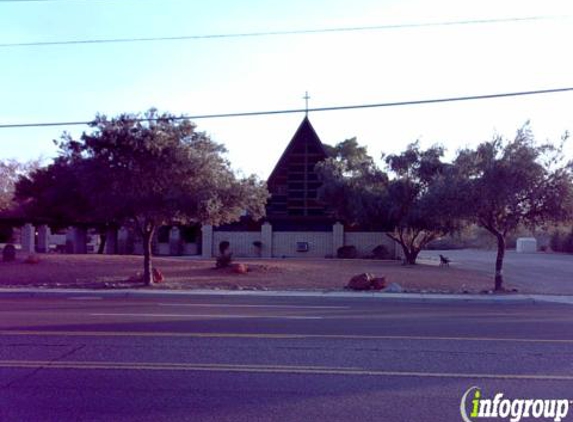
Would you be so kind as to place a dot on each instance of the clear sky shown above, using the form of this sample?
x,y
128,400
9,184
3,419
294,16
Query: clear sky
x,y
74,82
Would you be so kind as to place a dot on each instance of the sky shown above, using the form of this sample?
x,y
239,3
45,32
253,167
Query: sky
x,y
244,74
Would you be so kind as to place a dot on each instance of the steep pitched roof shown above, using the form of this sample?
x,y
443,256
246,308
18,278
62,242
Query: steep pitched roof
x,y
293,183
305,134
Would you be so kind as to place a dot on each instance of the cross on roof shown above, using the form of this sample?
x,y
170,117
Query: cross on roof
x,y
306,98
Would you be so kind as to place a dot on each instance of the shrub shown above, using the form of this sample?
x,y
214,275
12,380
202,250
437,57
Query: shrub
x,y
224,260
347,252
223,247
9,253
381,252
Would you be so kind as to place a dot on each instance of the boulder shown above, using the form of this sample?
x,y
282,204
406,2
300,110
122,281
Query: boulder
x,y
32,259
157,276
378,283
393,288
240,268
360,282
9,253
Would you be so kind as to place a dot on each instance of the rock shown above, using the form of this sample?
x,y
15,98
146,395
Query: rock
x,y
32,259
157,276
239,268
378,283
393,288
360,282
9,253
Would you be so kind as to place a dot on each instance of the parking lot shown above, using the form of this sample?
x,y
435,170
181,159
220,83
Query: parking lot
x,y
539,272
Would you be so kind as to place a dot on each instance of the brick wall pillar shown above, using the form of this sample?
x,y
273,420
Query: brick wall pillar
x,y
43,245
28,241
207,241
267,240
337,237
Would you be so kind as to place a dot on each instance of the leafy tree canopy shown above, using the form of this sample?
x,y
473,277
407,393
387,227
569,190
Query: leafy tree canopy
x,y
405,200
10,172
146,170
503,184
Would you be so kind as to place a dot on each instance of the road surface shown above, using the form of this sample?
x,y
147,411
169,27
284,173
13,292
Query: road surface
x,y
221,358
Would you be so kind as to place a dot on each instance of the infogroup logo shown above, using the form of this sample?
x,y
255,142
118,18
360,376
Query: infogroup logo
x,y
513,409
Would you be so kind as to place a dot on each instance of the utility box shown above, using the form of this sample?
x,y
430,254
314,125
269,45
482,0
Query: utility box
x,y
526,245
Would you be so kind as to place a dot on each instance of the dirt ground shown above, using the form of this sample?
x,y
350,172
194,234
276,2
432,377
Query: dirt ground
x,y
101,271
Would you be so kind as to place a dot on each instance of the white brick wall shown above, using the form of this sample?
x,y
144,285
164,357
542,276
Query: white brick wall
x,y
319,244
284,243
366,241
241,243
190,249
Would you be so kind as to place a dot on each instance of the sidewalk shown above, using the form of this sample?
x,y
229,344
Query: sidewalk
x,y
400,297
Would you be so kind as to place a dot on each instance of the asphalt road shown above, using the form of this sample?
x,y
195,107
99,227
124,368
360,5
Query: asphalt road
x,y
220,358
545,273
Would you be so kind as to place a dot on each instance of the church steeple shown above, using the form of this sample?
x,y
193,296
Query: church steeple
x,y
293,183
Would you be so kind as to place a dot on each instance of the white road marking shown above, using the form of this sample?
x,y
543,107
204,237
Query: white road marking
x,y
275,336
229,316
205,305
85,298
310,370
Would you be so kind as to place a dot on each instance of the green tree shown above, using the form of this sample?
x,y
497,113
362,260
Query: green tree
x,y
503,184
352,184
151,170
407,205
416,199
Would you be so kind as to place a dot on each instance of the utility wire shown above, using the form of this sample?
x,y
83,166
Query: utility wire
x,y
280,33
292,111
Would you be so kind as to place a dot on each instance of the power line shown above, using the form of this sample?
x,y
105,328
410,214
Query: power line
x,y
34,1
280,33
317,109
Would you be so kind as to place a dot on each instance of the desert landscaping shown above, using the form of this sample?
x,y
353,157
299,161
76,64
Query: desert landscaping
x,y
108,272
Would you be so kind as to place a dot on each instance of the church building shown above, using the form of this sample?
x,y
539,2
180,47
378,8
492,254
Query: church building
x,y
297,224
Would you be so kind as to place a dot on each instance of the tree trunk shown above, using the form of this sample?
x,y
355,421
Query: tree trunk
x,y
102,241
499,261
410,254
147,266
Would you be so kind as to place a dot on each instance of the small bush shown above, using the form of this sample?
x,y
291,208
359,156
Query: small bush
x,y
223,247
9,253
347,252
224,260
381,252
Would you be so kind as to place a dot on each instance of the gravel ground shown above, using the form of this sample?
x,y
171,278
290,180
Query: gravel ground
x,y
101,271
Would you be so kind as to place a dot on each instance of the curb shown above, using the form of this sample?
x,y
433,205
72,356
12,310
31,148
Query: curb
x,y
400,297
